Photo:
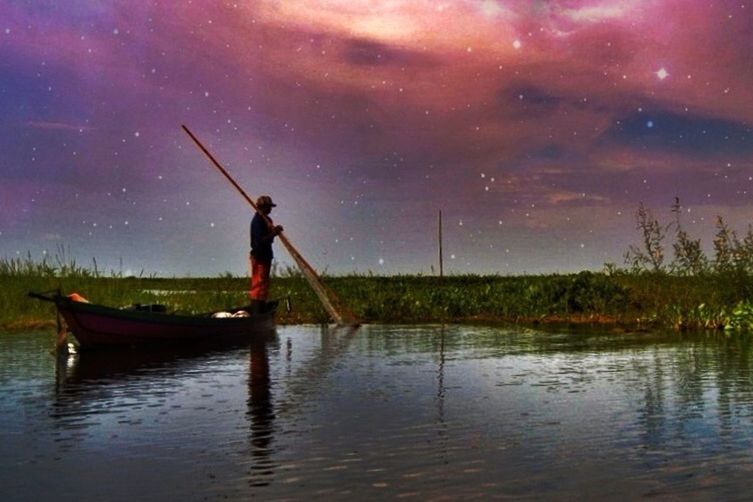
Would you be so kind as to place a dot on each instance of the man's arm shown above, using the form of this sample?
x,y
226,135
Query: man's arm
x,y
273,232
265,232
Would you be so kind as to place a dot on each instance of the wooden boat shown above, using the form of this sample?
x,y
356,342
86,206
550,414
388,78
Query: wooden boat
x,y
100,326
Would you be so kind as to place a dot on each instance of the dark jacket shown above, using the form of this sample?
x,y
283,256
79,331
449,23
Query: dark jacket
x,y
261,239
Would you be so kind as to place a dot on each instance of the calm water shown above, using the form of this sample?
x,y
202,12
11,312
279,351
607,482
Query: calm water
x,y
382,412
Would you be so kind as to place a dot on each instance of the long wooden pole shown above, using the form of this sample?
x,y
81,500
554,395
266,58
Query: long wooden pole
x,y
327,297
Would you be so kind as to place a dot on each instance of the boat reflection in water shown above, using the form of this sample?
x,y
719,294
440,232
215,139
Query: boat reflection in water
x,y
97,383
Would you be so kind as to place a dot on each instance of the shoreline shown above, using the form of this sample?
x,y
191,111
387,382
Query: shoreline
x,y
628,302
589,321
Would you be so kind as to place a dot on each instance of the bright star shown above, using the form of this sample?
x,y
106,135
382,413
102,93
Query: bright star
x,y
662,74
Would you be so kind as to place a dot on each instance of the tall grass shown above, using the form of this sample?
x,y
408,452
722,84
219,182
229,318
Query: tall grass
x,y
688,291
635,299
21,275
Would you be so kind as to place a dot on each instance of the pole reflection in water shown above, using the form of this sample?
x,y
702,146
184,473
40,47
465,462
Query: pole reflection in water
x,y
441,425
440,375
305,380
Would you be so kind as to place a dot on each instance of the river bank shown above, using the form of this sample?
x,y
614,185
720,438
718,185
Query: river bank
x,y
631,301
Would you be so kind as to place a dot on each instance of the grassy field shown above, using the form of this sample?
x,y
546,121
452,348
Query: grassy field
x,y
632,300
666,285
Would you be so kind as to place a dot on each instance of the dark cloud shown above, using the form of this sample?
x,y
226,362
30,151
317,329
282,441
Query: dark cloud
x,y
527,99
369,53
665,130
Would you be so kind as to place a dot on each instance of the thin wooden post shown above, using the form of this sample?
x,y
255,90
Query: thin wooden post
x,y
441,263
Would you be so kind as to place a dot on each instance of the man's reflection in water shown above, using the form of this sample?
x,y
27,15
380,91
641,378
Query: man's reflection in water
x,y
260,413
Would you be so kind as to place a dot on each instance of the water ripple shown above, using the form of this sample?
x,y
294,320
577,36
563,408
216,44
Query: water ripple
x,y
422,412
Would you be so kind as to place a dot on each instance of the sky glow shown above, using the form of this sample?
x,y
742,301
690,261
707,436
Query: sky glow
x,y
527,121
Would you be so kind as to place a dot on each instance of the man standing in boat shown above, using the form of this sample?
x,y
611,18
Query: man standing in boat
x,y
263,232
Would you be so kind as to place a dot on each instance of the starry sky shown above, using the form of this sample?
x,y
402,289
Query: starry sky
x,y
537,127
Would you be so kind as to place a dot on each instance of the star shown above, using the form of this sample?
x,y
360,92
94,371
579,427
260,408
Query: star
x,y
662,73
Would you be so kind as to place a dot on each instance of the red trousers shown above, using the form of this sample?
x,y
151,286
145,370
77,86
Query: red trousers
x,y
259,279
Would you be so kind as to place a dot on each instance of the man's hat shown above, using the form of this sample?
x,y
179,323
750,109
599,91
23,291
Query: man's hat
x,y
265,201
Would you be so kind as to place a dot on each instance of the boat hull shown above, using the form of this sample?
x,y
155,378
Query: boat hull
x,y
99,326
